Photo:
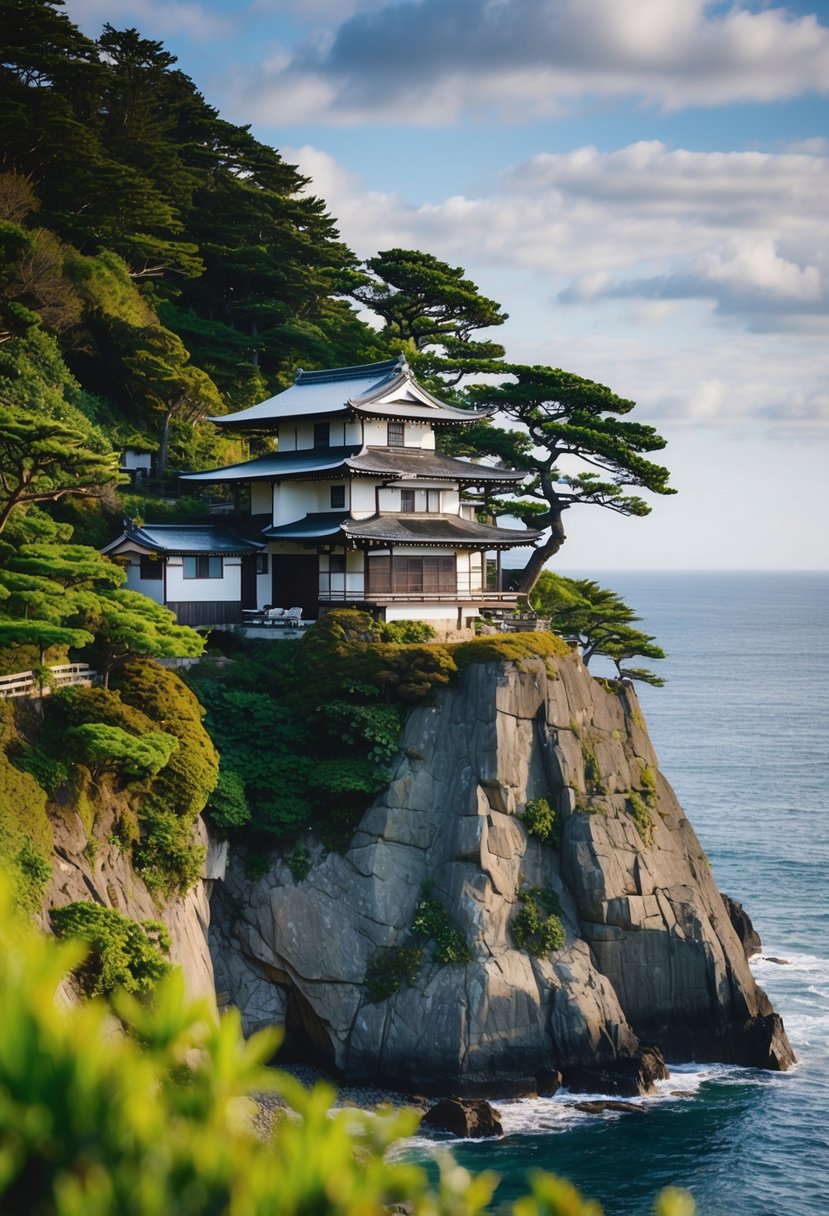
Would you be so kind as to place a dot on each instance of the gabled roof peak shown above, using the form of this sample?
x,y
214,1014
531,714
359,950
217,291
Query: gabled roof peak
x,y
361,371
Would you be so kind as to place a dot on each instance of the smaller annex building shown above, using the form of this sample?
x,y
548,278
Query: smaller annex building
x,y
354,507
202,572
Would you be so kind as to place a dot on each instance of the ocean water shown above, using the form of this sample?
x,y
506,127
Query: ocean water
x,y
741,730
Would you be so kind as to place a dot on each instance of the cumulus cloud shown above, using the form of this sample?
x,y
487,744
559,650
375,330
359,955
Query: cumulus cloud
x,y
430,61
162,17
742,231
713,266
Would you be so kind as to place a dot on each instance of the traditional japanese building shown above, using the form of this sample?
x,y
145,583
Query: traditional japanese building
x,y
357,507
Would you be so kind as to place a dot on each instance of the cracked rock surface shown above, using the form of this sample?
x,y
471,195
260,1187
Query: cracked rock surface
x,y
650,953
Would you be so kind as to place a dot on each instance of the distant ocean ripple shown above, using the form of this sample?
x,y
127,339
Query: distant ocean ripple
x,y
742,733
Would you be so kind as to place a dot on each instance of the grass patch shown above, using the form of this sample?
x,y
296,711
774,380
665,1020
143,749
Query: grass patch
x,y
537,926
542,821
432,922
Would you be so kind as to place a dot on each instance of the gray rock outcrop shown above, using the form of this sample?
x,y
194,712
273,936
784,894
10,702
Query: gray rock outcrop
x,y
649,952
105,876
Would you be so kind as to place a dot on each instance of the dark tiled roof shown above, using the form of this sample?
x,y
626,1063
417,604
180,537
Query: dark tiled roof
x,y
420,462
377,462
281,464
186,538
437,529
337,391
315,525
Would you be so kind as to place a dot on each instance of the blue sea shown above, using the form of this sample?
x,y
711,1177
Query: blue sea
x,y
742,733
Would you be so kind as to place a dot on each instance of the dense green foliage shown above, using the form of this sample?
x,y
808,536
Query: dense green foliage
x,y
542,821
163,757
120,953
509,648
599,620
302,752
537,925
102,747
176,260
227,805
406,631
25,831
432,923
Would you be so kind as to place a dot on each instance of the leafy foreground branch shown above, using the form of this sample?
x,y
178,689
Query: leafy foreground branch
x,y
157,1120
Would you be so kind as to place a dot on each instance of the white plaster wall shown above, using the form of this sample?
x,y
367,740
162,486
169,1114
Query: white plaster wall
x,y
437,615
286,437
376,432
153,588
419,435
362,497
227,588
293,500
261,498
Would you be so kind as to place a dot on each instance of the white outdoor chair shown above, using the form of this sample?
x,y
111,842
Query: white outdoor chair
x,y
274,616
293,616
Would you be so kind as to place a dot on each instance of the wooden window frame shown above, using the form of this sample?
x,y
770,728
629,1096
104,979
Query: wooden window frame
x,y
202,566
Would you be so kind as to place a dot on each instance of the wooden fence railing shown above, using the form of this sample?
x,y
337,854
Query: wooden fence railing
x,y
24,684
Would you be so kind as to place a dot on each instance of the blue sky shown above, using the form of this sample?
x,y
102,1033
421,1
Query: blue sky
x,y
642,185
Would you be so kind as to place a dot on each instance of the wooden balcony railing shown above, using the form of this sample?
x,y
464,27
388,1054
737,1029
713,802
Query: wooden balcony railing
x,y
24,683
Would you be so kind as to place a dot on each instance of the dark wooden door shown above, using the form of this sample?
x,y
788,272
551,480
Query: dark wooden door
x,y
295,583
249,582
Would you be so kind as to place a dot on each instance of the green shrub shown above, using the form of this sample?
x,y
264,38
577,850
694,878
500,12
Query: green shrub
x,y
592,775
374,729
36,871
542,821
537,926
641,816
25,835
508,648
121,952
166,856
77,706
391,969
227,806
49,772
191,774
299,862
103,747
432,922
256,865
404,632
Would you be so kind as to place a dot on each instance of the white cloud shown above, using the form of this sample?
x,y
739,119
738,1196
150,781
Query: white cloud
x,y
162,17
743,231
426,62
695,282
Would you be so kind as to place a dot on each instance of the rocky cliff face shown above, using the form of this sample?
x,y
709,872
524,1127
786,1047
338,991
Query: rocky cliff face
x,y
650,954
105,877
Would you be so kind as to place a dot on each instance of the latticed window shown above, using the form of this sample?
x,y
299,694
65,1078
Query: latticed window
x,y
337,498
397,435
407,501
322,434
